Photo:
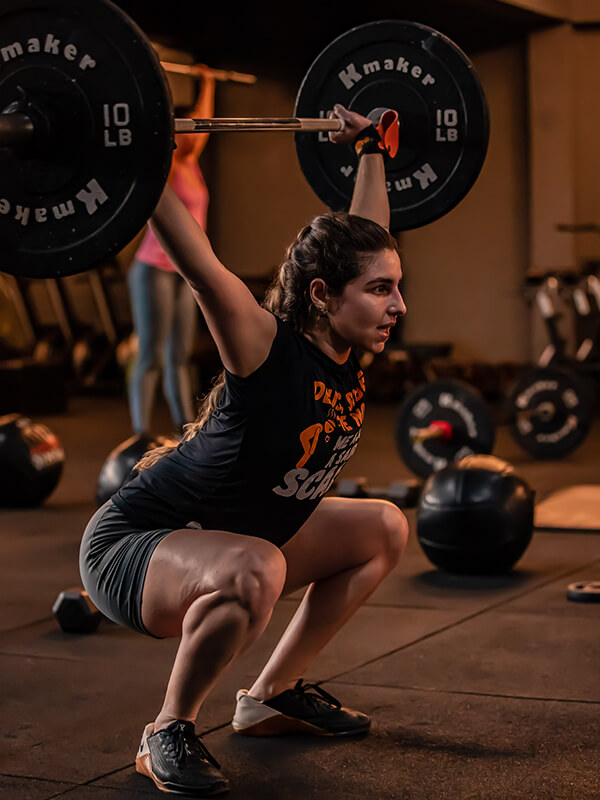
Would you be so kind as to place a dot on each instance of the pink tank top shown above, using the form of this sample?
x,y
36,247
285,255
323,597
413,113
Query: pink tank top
x,y
188,183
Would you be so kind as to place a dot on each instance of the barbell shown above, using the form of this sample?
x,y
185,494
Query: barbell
x,y
87,128
440,422
197,71
551,412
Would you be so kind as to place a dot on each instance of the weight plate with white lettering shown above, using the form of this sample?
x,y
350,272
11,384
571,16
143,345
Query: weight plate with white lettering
x,y
444,125
101,106
451,406
551,412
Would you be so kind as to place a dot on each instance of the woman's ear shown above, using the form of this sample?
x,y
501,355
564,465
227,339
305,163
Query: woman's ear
x,y
319,293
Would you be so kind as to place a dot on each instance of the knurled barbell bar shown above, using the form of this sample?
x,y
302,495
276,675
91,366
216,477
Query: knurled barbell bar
x,y
86,127
241,124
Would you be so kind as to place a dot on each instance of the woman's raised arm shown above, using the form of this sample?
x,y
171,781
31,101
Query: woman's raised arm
x,y
370,197
243,331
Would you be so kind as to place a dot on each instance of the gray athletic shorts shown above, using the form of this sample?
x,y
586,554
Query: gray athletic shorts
x,y
113,560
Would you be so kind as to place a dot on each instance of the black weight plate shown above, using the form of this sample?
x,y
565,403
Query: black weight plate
x,y
444,125
69,203
450,401
584,591
566,428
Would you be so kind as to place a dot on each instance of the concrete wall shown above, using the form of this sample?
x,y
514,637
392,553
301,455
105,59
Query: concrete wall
x,y
260,198
586,90
564,76
465,271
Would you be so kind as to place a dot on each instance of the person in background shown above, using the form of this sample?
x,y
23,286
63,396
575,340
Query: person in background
x,y
164,310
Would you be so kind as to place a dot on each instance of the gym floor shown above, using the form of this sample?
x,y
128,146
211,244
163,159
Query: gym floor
x,y
483,688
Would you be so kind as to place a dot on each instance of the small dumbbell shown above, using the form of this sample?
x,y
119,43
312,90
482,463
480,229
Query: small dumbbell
x,y
404,494
75,612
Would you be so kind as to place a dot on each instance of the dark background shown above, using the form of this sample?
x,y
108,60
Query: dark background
x,y
284,37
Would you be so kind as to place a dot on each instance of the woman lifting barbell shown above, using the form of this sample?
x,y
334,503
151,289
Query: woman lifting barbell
x,y
206,538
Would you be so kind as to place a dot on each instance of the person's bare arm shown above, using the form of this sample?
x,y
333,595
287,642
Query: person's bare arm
x,y
242,330
369,197
204,108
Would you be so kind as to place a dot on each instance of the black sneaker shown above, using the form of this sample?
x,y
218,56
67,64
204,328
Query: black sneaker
x,y
305,708
178,762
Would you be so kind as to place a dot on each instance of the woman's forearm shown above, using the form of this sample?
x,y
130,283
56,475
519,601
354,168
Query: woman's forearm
x,y
370,197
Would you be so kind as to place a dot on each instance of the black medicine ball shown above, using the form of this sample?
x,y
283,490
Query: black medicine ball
x,y
31,462
475,517
118,467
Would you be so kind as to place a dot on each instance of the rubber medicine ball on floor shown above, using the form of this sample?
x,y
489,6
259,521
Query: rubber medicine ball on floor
x,y
475,517
117,469
31,462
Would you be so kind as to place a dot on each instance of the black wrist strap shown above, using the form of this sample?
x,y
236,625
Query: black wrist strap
x,y
369,141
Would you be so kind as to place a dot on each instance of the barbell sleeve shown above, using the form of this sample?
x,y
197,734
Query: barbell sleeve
x,y
544,411
195,71
438,429
425,434
188,125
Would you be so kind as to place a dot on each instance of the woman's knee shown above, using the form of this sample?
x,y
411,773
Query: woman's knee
x,y
251,582
393,533
148,355
258,579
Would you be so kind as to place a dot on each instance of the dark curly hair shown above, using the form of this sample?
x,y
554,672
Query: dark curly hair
x,y
335,247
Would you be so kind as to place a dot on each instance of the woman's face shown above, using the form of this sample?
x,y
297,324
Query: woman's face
x,y
369,306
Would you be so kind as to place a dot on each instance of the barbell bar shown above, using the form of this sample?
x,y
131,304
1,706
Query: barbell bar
x,y
196,71
19,129
239,124
87,126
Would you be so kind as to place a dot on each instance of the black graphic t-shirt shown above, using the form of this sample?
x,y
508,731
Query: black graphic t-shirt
x,y
266,456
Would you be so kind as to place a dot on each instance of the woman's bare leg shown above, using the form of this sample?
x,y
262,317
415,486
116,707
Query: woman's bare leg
x,y
344,551
217,591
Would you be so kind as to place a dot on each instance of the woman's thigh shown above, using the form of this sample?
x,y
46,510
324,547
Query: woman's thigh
x,y
343,533
188,564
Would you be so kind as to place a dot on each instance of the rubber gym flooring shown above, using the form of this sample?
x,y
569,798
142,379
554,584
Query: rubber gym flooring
x,y
482,688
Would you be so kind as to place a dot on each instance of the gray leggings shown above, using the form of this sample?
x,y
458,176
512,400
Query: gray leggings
x,y
164,317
